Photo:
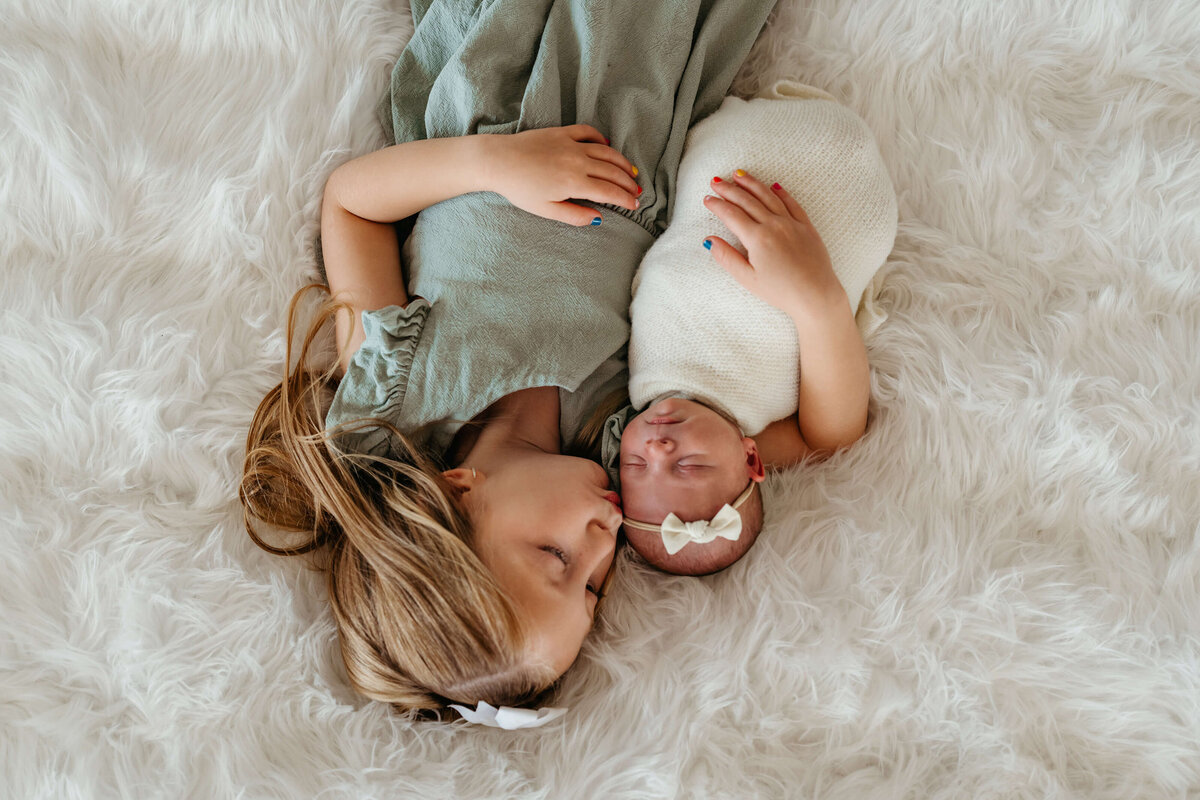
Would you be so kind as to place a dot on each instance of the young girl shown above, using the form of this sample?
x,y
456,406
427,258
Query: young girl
x,y
755,360
466,561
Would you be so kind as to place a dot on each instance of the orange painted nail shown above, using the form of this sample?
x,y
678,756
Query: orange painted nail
x,y
741,173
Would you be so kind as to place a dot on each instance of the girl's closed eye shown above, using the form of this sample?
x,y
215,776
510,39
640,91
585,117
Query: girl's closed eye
x,y
561,555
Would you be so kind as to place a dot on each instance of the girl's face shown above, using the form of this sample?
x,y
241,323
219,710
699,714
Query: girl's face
x,y
546,525
681,457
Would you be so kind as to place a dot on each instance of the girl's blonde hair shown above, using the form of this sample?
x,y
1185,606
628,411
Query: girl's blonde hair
x,y
421,619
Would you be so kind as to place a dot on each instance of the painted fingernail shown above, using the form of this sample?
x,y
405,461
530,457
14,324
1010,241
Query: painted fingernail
x,y
741,173
639,191
776,186
596,220
607,141
716,180
708,244
635,171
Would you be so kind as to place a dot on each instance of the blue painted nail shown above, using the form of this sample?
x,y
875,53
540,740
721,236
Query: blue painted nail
x,y
596,221
708,244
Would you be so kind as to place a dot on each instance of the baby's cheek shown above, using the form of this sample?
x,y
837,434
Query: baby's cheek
x,y
632,491
627,481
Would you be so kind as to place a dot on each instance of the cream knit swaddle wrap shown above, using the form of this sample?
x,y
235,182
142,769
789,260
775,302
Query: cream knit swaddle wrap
x,y
695,330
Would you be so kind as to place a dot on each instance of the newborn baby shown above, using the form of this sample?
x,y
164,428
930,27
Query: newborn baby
x,y
711,364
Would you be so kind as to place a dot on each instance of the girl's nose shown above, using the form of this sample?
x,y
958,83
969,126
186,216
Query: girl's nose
x,y
599,546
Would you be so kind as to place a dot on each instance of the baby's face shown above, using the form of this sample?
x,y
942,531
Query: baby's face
x,y
681,457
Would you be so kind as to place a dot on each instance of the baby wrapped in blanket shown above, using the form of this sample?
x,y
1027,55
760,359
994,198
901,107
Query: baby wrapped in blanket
x,y
712,366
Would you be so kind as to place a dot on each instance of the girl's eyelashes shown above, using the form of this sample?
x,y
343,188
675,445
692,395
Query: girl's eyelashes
x,y
566,562
557,553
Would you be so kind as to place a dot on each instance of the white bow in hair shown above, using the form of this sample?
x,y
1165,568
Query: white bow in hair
x,y
676,533
507,717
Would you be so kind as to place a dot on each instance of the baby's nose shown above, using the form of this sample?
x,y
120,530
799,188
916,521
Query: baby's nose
x,y
659,445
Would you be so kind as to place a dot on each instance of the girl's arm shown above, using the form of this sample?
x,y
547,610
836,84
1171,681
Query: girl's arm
x,y
789,268
536,170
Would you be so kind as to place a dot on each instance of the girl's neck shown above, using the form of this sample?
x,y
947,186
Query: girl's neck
x,y
528,418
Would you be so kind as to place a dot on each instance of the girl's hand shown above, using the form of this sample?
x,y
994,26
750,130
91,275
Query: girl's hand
x,y
539,170
788,266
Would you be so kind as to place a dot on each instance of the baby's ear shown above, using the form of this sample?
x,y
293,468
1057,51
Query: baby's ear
x,y
755,470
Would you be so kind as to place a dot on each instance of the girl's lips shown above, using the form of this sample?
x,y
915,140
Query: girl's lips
x,y
615,499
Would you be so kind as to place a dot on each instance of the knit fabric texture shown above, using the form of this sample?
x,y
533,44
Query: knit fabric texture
x,y
695,330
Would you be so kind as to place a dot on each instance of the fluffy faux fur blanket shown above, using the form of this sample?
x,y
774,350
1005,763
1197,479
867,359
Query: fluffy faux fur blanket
x,y
994,594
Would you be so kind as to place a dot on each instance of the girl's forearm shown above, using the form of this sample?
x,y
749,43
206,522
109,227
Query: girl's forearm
x,y
835,383
362,200
396,182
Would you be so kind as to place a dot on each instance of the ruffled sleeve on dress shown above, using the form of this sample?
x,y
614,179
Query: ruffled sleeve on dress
x,y
376,379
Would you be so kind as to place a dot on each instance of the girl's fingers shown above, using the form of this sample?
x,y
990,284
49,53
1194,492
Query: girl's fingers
x,y
599,190
731,260
605,152
794,208
737,195
571,213
608,155
732,215
613,173
585,133
768,198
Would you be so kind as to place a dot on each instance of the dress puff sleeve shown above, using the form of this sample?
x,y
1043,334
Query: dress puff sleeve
x,y
376,379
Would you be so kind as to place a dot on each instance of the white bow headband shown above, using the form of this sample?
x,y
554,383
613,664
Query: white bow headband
x,y
507,717
676,533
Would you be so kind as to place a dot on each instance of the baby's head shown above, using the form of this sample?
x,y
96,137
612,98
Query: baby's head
x,y
681,458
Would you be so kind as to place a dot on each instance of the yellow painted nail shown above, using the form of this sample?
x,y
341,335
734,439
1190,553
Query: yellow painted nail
x,y
635,172
741,173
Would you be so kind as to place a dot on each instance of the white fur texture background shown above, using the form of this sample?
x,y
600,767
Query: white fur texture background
x,y
994,594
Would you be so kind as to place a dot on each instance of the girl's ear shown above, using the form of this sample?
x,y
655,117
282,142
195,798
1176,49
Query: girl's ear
x,y
464,479
755,470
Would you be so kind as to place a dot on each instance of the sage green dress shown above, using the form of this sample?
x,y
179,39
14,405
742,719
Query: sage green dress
x,y
509,300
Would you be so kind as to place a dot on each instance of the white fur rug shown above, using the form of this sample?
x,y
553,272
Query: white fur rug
x,y
994,594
